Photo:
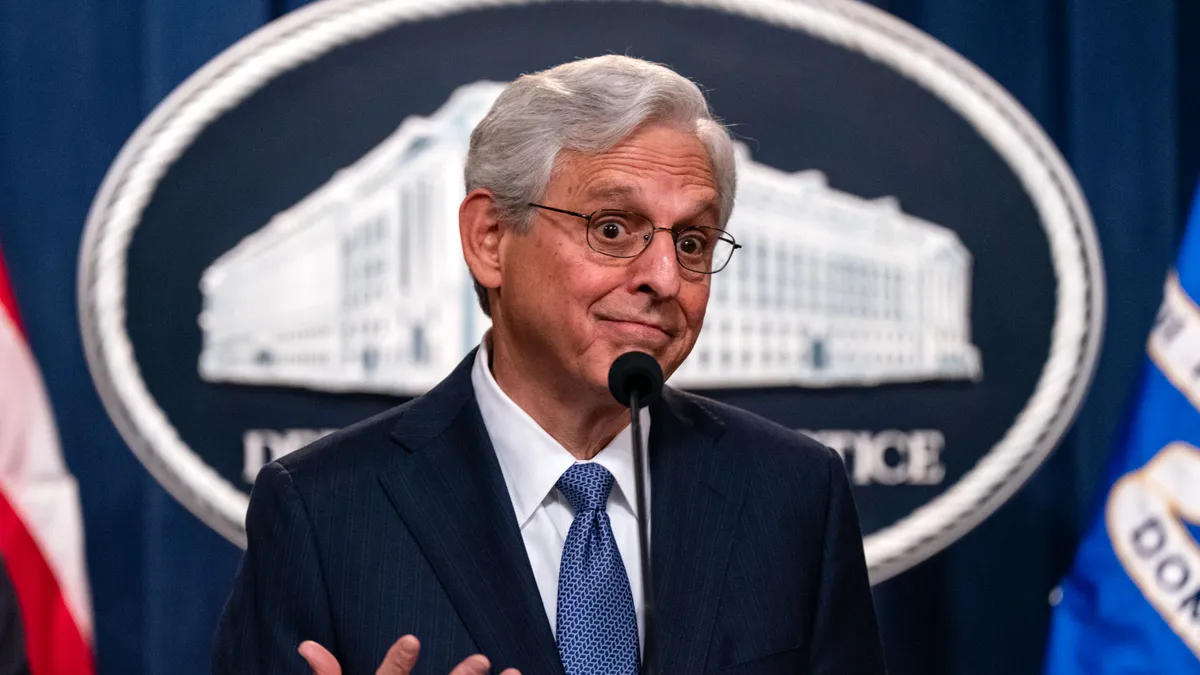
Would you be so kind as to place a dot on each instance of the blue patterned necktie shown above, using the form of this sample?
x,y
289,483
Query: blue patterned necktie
x,y
597,627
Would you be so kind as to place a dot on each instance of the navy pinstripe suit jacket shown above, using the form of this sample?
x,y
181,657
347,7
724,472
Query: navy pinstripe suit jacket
x,y
402,524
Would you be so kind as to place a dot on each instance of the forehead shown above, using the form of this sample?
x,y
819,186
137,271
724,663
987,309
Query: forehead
x,y
651,164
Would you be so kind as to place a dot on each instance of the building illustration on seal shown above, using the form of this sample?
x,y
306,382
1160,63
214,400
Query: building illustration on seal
x,y
361,286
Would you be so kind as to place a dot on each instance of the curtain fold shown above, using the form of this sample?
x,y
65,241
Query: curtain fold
x,y
1108,80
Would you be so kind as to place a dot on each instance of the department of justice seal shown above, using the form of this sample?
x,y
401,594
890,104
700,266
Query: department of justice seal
x,y
274,253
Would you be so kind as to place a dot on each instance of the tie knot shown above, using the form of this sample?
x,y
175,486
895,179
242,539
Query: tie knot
x,y
586,486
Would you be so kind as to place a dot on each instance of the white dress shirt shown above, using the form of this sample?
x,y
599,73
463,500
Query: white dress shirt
x,y
532,462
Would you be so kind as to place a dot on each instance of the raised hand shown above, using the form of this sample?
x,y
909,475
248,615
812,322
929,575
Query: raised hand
x,y
399,660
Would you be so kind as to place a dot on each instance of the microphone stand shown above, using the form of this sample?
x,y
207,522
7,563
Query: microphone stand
x,y
639,474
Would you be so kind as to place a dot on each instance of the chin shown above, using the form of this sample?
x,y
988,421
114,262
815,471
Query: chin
x,y
667,354
615,348
600,360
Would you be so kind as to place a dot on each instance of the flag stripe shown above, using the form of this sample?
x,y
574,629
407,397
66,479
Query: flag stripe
x,y
8,302
54,645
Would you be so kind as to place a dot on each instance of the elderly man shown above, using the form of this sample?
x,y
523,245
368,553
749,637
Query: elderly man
x,y
491,523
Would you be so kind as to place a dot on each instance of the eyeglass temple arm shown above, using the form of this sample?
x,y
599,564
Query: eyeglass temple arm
x,y
551,208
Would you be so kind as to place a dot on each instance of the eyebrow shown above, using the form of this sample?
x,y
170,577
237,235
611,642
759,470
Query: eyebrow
x,y
627,192
613,191
705,207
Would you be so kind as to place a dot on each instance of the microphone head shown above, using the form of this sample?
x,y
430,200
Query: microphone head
x,y
635,371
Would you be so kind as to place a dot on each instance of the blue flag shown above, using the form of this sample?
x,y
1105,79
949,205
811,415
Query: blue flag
x,y
1131,603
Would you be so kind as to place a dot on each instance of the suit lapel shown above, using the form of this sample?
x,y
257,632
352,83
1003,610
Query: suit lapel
x,y
696,498
450,491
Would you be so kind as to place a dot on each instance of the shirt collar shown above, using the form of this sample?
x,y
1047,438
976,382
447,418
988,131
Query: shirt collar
x,y
531,460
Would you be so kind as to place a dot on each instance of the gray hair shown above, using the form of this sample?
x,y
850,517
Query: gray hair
x,y
587,106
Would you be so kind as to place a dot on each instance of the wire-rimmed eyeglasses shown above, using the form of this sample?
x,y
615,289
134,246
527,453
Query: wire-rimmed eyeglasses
x,y
625,234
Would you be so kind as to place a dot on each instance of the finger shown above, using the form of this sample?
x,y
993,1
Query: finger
x,y
319,659
401,657
472,665
511,671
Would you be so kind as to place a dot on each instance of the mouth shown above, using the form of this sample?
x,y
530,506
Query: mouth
x,y
640,328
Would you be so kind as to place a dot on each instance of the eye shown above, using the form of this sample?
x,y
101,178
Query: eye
x,y
612,228
692,243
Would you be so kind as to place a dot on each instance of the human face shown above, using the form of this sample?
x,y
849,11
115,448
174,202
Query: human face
x,y
573,310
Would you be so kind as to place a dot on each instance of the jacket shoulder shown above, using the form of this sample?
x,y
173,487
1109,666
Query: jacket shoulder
x,y
753,433
372,444
364,445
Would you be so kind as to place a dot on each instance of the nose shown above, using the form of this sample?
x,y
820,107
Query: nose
x,y
657,270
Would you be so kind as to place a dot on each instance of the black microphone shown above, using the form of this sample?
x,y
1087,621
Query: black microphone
x,y
636,380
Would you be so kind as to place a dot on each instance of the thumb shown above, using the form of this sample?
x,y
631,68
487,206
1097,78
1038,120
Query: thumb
x,y
319,659
401,658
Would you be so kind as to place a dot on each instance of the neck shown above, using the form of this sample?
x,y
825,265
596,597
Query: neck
x,y
582,420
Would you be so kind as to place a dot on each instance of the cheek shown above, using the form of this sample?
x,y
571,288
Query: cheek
x,y
566,282
694,302
583,280
535,270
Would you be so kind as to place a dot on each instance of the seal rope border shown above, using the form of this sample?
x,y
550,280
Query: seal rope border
x,y
312,31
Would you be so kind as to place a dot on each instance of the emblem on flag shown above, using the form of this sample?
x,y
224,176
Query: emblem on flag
x,y
1131,602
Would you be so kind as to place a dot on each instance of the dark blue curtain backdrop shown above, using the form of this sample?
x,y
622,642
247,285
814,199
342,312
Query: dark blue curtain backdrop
x,y
1116,85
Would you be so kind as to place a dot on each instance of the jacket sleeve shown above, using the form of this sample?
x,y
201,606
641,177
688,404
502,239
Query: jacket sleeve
x,y
279,596
845,636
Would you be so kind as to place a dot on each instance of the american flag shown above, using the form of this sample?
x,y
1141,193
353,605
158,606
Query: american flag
x,y
45,615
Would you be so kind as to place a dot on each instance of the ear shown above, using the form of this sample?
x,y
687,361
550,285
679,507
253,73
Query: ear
x,y
481,232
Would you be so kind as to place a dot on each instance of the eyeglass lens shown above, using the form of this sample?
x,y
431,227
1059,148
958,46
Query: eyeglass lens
x,y
622,234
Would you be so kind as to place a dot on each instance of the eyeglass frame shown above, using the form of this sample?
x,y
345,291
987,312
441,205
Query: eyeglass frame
x,y
587,217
